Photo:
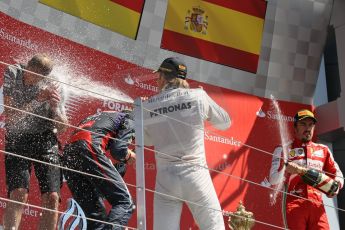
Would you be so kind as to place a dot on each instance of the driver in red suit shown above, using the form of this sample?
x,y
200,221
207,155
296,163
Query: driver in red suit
x,y
302,214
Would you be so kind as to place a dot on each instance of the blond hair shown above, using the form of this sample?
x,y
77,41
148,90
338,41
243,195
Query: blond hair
x,y
42,62
173,81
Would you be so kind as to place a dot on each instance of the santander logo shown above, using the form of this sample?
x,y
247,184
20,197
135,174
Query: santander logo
x,y
135,81
273,115
129,80
260,113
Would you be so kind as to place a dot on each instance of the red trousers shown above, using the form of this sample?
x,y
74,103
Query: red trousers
x,y
305,215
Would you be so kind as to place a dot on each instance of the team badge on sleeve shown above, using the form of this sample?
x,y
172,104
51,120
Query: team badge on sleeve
x,y
292,153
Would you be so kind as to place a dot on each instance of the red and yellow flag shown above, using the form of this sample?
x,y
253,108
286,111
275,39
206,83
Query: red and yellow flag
x,y
227,32
122,16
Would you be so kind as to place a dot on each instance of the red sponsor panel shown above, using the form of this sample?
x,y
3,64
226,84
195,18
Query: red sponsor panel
x,y
240,156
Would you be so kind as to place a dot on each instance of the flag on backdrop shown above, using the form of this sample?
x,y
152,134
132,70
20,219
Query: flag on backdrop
x,y
121,16
228,32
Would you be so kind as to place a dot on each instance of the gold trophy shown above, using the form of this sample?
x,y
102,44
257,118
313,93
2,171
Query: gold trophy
x,y
241,219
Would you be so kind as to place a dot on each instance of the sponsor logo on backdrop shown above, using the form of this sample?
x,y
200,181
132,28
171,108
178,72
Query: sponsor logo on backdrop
x,y
28,211
129,80
135,81
223,140
260,113
113,105
273,116
20,41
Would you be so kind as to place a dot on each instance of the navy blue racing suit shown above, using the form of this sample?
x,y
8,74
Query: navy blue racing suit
x,y
85,152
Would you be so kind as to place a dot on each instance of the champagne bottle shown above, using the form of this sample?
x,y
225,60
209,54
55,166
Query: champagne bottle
x,y
320,181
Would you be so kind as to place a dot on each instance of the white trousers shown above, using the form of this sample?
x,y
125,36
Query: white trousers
x,y
190,183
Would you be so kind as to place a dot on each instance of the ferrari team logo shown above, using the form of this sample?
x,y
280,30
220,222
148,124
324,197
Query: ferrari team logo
x,y
311,150
196,20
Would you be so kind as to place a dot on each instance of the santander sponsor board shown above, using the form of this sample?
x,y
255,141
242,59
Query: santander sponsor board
x,y
135,81
274,116
27,43
223,140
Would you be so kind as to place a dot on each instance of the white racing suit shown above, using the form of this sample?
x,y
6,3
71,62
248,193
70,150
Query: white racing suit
x,y
180,152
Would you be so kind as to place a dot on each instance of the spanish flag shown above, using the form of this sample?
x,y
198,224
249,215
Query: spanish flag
x,y
228,32
122,16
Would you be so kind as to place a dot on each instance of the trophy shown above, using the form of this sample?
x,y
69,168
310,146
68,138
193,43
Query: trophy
x,y
241,219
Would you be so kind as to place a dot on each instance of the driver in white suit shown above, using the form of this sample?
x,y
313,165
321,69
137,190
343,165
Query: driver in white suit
x,y
180,155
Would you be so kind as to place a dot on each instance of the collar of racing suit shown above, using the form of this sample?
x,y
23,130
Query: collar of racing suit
x,y
169,87
299,143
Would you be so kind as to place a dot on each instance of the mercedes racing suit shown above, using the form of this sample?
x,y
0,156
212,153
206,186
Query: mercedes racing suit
x,y
300,213
86,152
180,152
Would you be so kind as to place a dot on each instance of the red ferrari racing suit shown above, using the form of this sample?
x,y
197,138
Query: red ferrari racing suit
x,y
301,213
